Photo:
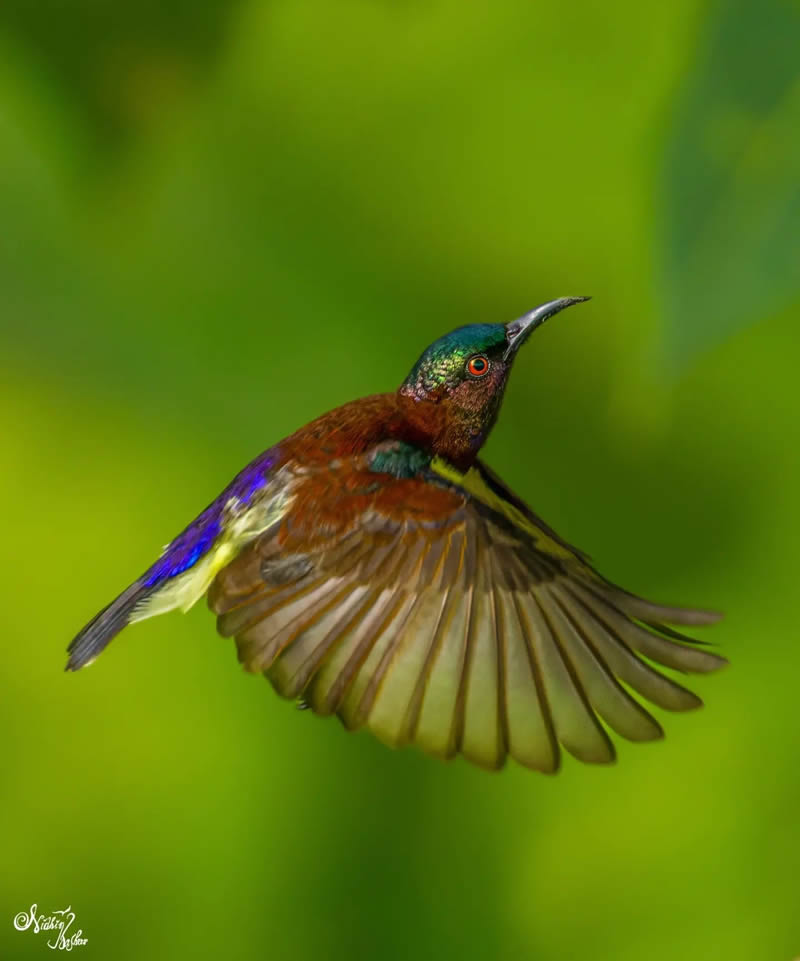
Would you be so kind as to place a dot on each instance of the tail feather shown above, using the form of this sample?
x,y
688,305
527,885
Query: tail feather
x,y
104,627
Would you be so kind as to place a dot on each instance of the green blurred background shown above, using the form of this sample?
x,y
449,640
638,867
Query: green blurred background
x,y
219,219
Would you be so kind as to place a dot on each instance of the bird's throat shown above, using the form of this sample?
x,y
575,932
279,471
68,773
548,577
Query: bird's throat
x,y
443,430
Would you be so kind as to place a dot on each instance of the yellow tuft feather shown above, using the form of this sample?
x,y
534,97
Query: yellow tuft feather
x,y
472,481
183,591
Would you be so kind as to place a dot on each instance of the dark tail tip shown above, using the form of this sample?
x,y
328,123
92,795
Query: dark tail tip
x,y
103,628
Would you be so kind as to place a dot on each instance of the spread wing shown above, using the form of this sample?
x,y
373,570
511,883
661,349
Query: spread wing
x,y
442,612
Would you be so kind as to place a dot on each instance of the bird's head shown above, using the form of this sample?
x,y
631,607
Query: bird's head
x,y
452,396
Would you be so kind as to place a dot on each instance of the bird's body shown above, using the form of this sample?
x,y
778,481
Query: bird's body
x,y
371,565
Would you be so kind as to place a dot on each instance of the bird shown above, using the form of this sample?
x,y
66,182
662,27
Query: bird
x,y
373,567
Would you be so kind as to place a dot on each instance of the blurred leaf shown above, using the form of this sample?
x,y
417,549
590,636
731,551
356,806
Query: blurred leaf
x,y
731,249
123,65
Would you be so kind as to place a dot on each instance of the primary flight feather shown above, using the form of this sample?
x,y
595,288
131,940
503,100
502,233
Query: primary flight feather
x,y
373,567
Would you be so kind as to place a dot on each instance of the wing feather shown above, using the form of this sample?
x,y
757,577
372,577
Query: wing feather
x,y
677,656
576,725
303,653
278,625
470,629
634,672
302,657
482,739
648,611
381,706
422,684
625,715
352,643
529,728
437,725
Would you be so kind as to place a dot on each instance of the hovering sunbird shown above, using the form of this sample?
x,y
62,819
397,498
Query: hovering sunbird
x,y
373,567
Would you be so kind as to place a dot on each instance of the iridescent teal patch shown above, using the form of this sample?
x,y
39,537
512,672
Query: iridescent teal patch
x,y
401,460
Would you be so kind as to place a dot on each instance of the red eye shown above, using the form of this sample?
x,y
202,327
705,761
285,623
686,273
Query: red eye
x,y
478,366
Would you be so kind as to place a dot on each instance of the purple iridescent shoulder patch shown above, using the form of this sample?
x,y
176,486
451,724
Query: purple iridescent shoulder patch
x,y
191,544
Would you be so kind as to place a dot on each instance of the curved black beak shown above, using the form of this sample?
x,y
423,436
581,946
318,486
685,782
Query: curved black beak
x,y
518,331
